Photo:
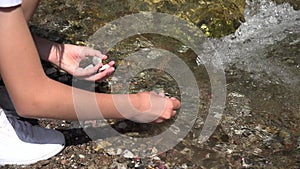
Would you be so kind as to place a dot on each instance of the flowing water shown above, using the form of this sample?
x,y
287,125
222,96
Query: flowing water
x,y
260,124
262,44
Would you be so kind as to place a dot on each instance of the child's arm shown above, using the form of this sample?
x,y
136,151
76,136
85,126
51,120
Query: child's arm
x,y
35,95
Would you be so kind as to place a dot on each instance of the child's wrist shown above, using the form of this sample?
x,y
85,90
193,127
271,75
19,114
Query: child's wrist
x,y
55,53
142,101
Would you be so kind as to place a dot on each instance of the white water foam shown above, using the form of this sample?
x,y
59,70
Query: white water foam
x,y
267,24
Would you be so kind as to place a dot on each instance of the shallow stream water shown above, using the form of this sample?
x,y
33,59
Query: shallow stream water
x,y
258,48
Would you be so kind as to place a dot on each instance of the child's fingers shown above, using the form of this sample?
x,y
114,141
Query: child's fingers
x,y
111,63
93,73
102,56
158,121
176,103
87,71
92,52
174,112
101,75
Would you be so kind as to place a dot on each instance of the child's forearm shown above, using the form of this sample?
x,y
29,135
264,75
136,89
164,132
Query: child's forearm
x,y
59,101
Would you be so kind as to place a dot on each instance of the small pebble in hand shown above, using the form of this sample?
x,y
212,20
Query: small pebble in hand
x,y
104,67
91,61
96,60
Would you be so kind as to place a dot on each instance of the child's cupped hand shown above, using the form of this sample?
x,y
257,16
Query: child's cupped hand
x,y
69,56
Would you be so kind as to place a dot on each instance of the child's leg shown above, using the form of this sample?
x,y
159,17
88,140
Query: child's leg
x,y
22,143
29,7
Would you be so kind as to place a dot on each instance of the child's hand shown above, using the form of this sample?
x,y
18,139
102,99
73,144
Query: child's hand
x,y
148,107
69,57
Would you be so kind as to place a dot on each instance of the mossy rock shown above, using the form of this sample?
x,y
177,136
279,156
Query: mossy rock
x,y
79,19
